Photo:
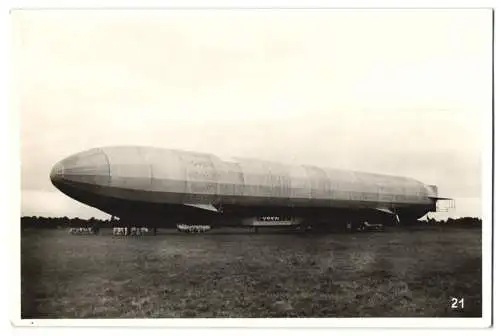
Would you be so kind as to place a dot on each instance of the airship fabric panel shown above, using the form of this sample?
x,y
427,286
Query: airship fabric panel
x,y
167,176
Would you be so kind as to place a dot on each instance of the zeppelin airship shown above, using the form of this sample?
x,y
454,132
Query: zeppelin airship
x,y
159,187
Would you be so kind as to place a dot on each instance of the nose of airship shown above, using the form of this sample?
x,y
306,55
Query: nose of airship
x,y
57,173
90,167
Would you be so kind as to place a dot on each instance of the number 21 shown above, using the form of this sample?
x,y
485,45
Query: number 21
x,y
457,303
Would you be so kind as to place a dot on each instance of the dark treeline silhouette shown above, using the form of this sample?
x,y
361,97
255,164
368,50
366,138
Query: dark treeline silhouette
x,y
456,222
37,222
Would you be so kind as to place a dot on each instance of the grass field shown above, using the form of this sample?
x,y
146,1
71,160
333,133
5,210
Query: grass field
x,y
400,272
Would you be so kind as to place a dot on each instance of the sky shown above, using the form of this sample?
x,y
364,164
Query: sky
x,y
404,92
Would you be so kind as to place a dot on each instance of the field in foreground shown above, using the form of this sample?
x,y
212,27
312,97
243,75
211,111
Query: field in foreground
x,y
412,273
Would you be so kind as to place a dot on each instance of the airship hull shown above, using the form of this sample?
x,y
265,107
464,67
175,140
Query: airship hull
x,y
166,186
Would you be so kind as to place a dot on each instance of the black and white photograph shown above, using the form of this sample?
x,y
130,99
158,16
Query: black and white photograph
x,y
190,166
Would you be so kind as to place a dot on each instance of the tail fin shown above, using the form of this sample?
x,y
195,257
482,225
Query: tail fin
x,y
441,203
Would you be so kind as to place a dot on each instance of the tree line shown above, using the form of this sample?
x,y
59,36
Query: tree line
x,y
39,222
458,222
32,222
